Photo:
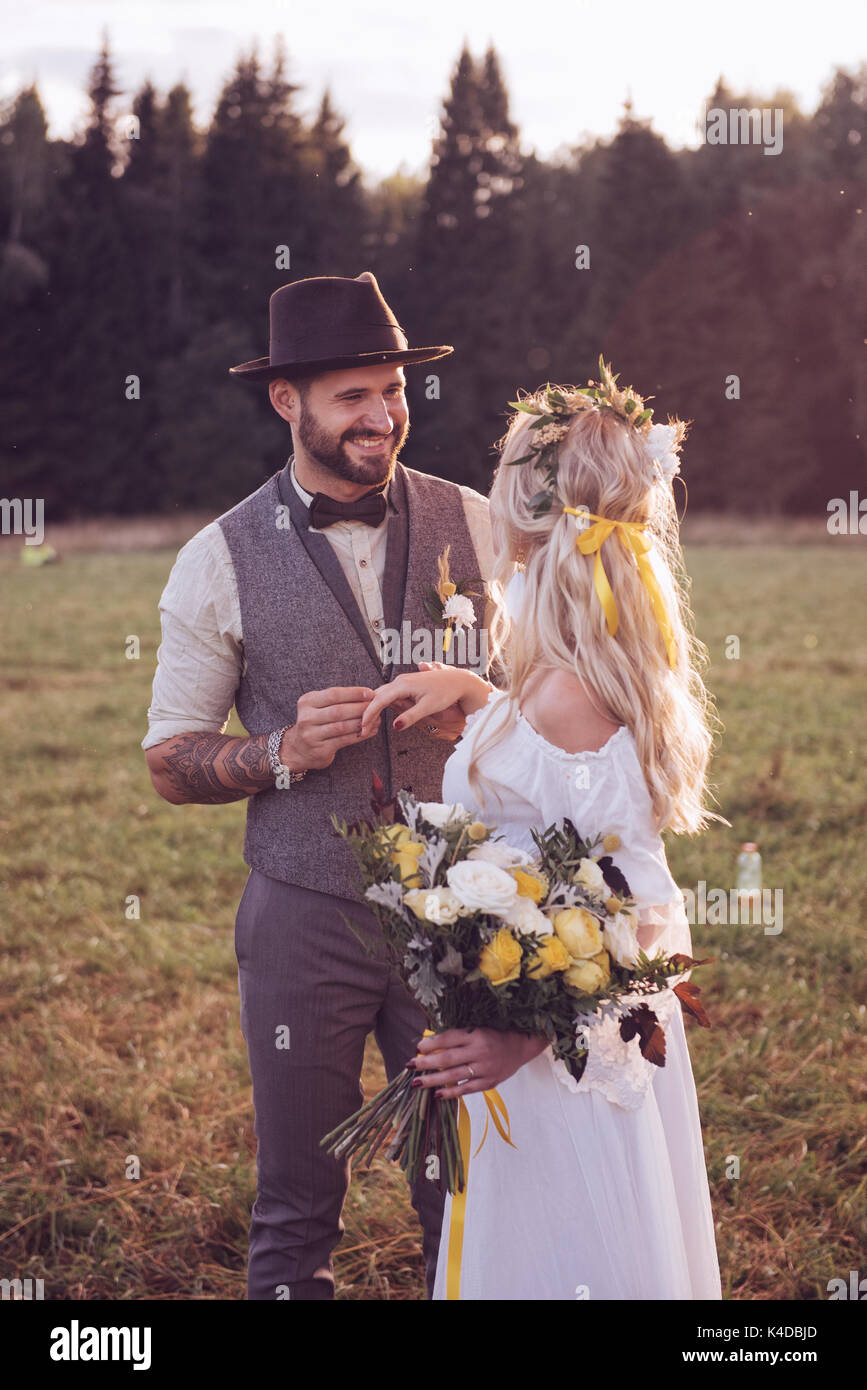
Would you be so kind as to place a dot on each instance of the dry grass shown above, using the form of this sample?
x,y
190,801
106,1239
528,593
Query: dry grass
x,y
121,1037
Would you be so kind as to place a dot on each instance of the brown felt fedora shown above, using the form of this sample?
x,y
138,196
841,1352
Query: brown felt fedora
x,y
326,323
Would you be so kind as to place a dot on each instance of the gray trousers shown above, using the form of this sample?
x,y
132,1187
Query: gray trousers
x,y
309,997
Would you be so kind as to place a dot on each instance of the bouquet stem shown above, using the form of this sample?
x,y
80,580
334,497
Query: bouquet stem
x,y
415,1125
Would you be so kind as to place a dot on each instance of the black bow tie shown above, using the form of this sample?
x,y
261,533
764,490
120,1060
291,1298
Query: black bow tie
x,y
325,511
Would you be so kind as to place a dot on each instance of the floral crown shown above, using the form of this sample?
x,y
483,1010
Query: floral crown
x,y
661,442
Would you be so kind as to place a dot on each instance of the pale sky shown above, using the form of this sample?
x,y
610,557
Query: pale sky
x,y
568,64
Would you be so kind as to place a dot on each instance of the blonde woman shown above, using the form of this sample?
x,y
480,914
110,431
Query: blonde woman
x,y
604,719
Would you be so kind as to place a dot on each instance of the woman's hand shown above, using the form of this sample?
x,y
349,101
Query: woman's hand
x,y
435,690
449,722
447,1058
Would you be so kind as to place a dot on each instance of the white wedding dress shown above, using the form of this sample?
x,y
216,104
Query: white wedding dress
x,y
605,1195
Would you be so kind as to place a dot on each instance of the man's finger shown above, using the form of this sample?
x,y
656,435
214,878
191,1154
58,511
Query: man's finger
x,y
339,695
331,746
327,714
335,728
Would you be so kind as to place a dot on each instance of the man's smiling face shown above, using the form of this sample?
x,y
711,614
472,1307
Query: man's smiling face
x,y
352,424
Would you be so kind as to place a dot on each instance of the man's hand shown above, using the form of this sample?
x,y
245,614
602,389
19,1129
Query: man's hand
x,y
208,769
327,720
444,1059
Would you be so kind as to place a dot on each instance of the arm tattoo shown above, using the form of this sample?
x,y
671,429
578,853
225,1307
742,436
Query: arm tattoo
x,y
212,768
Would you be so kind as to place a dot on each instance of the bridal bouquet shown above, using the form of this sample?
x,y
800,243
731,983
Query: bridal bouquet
x,y
488,936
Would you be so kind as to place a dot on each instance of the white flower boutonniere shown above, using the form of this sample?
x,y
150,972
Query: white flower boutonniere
x,y
450,602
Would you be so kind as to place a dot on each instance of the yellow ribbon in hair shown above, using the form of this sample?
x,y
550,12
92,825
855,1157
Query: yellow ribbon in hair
x,y
632,536
496,1108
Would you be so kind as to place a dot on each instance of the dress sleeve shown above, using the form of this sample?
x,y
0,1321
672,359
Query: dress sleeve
x,y
608,796
200,658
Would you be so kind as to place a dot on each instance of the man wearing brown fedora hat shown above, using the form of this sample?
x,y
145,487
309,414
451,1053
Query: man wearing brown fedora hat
x,y
282,607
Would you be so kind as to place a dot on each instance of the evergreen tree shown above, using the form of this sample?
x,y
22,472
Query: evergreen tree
x,y
468,253
336,205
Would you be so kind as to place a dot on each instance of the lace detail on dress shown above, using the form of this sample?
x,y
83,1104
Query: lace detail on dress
x,y
619,736
610,745
614,1067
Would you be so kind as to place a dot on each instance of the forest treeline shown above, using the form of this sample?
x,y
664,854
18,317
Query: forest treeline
x,y
728,283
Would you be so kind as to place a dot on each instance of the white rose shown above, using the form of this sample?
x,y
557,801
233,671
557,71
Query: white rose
x,y
525,917
659,447
504,856
660,440
438,814
460,609
482,887
442,906
590,875
621,937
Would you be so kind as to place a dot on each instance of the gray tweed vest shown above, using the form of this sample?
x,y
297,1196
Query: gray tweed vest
x,y
303,630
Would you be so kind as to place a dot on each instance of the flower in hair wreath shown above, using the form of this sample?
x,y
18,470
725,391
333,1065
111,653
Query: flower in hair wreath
x,y
449,601
661,442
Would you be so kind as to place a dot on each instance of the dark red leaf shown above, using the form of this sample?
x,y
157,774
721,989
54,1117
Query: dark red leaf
x,y
688,994
386,812
651,1038
613,877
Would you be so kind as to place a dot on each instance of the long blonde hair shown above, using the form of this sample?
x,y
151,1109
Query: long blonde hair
x,y
601,466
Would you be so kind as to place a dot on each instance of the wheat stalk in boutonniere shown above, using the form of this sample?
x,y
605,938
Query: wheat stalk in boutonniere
x,y
449,602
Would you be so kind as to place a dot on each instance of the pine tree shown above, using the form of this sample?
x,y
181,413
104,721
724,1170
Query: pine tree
x,y
337,205
467,256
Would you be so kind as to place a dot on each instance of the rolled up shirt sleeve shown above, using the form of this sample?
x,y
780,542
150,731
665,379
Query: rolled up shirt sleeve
x,y
201,655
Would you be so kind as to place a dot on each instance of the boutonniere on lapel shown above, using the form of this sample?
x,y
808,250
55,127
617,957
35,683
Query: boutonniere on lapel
x,y
449,602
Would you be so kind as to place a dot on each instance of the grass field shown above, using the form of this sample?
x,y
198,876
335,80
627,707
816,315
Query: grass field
x,y
121,1037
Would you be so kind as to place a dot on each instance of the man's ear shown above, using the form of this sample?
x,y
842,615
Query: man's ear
x,y
286,399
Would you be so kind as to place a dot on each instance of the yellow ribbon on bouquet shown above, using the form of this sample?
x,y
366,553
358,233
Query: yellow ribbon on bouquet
x,y
632,536
496,1108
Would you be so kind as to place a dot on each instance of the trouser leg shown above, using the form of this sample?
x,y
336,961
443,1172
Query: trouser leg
x,y
309,997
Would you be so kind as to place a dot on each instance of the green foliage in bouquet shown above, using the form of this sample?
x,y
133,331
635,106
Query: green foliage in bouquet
x,y
489,936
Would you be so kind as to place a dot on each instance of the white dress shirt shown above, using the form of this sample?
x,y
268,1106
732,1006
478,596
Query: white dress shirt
x,y
201,657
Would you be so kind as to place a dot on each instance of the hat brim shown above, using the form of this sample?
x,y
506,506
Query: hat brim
x,y
261,368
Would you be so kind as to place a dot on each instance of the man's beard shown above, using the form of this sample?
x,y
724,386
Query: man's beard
x,y
330,451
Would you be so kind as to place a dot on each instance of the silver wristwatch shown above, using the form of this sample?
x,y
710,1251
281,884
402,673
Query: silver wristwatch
x,y
279,769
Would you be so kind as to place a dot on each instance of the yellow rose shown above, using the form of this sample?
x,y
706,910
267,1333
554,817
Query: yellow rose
x,y
500,960
611,843
396,833
585,975
579,931
550,957
603,960
405,860
529,885
415,900
446,590
613,905
477,831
